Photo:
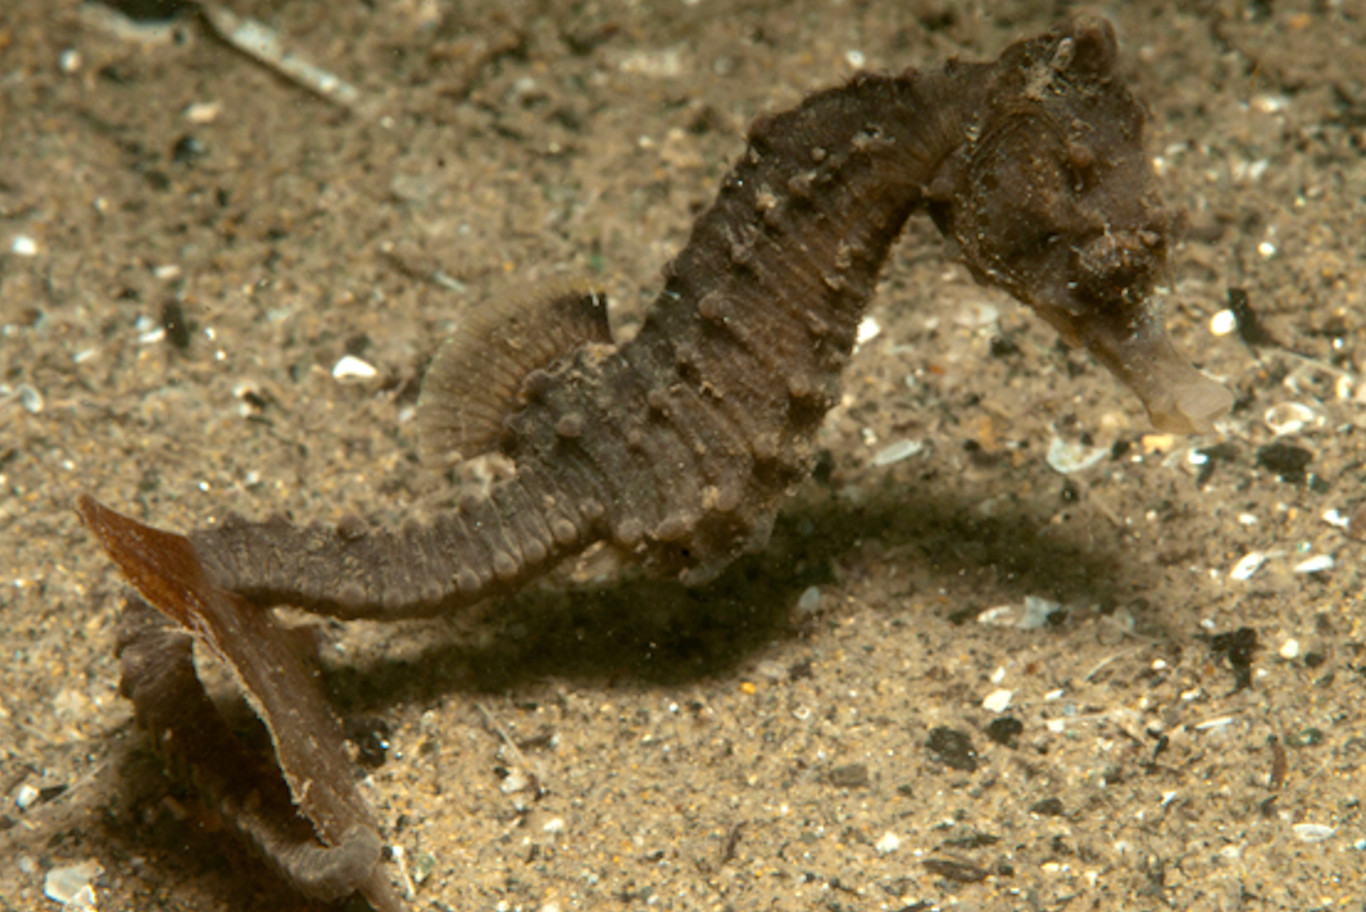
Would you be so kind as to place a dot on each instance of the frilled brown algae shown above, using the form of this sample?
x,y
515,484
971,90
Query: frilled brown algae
x,y
679,445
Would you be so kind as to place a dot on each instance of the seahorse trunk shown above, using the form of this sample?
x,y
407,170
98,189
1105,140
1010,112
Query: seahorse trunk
x,y
684,440
679,445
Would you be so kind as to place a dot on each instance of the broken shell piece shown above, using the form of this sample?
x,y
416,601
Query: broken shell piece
x,y
1288,418
1313,832
1066,457
868,330
998,701
1248,565
352,368
1316,564
70,885
1223,323
896,452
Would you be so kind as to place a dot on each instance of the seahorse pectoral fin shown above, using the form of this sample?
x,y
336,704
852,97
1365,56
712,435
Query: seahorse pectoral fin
x,y
309,745
479,376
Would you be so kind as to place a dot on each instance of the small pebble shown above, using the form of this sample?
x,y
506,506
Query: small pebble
x,y
977,315
69,61
952,748
809,602
23,245
1290,649
852,775
29,398
1005,730
888,843
1000,616
1287,461
514,781
352,368
1270,104
553,825
424,863
1048,807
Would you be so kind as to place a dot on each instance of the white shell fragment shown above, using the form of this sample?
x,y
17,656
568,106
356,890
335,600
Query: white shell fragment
x,y
888,843
1037,612
70,885
1290,649
23,245
203,112
1248,565
263,44
809,602
24,796
868,330
1313,832
352,368
1223,323
29,398
998,701
1216,722
1288,418
1066,457
897,451
1337,519
1316,564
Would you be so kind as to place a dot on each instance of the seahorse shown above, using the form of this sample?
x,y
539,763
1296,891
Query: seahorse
x,y
679,445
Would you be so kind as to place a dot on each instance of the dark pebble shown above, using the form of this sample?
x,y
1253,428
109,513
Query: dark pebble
x,y
1287,461
1049,807
854,775
371,737
952,748
186,150
1237,646
1005,730
956,871
173,322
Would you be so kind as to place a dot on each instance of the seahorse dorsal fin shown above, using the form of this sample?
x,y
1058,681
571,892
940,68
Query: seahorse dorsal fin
x,y
473,382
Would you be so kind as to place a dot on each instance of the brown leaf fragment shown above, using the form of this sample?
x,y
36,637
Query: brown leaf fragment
x,y
308,741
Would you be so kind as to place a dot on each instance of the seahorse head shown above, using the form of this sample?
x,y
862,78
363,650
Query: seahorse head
x,y
1056,203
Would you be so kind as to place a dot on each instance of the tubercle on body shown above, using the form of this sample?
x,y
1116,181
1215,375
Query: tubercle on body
x,y
679,446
